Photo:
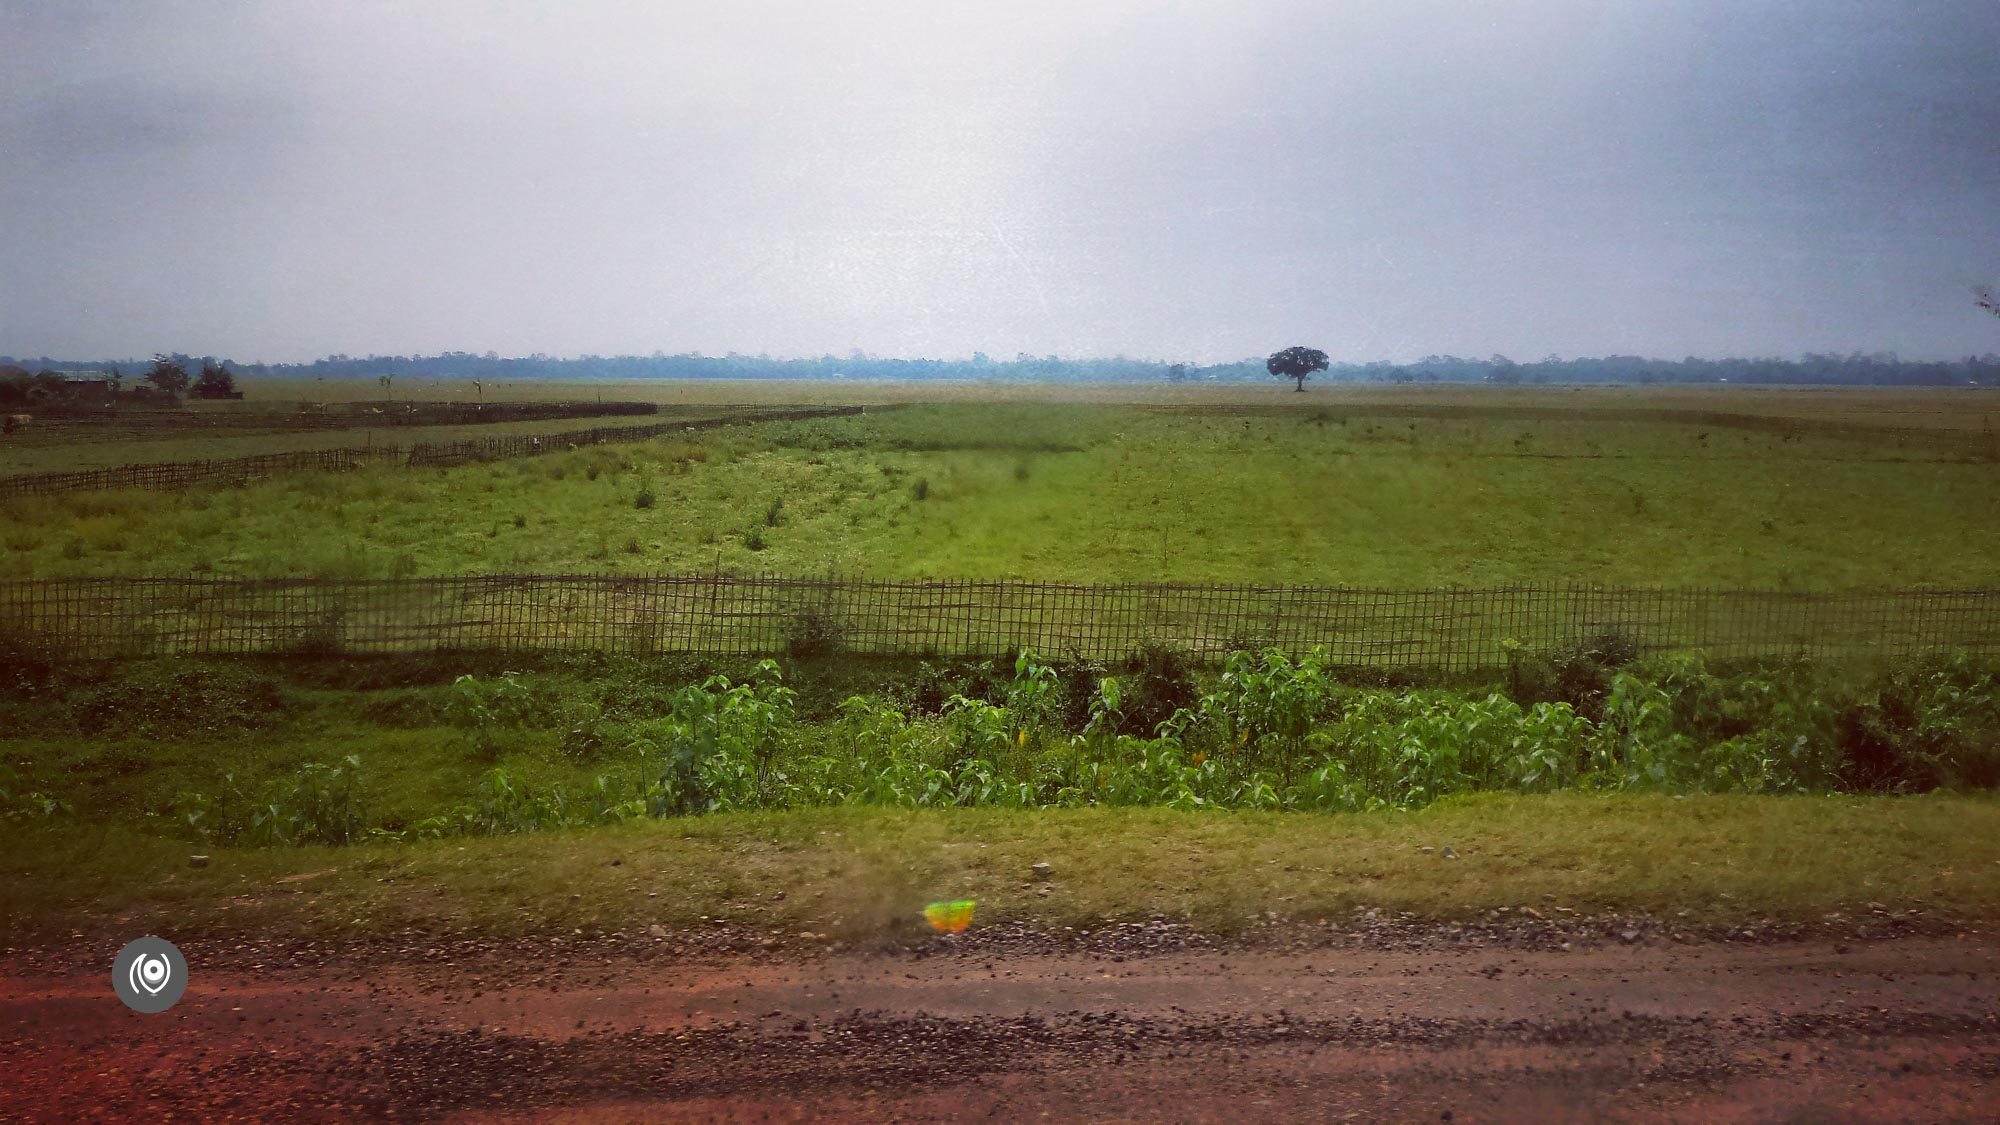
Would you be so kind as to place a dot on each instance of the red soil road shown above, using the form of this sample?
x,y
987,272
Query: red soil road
x,y
1900,1029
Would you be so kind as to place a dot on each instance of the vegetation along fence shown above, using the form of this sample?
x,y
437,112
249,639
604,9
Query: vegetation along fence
x,y
1453,629
182,474
237,470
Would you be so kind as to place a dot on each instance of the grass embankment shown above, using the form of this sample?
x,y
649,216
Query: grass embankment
x,y
862,874
714,801
1102,493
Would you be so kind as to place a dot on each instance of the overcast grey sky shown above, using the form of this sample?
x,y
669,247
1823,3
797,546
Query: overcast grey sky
x,y
278,180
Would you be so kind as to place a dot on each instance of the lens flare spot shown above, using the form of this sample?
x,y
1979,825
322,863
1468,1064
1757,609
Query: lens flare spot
x,y
949,917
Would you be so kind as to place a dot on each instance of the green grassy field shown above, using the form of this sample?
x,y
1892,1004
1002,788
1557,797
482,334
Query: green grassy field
x,y
863,874
1292,490
1968,409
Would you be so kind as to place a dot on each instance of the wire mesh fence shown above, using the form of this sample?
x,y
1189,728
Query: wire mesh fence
x,y
1448,629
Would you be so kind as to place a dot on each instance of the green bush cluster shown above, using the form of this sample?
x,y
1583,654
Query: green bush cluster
x,y
1277,731
320,804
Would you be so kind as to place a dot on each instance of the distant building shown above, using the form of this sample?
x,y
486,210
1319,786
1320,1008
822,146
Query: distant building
x,y
86,384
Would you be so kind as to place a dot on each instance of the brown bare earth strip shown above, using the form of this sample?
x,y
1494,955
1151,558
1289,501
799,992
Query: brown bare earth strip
x,y
1646,1030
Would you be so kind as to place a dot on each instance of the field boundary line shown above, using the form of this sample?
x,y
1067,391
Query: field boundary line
x,y
1451,629
176,475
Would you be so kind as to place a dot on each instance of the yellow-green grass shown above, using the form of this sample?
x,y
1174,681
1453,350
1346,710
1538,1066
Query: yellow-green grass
x,y
863,874
1102,493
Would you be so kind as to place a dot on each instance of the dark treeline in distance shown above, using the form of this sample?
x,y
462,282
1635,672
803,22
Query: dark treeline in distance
x,y
1857,369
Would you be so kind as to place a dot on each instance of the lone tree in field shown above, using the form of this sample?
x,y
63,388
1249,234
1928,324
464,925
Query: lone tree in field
x,y
169,375
1296,364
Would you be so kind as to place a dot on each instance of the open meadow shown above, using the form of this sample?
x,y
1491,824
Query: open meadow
x,y
1403,488
1869,408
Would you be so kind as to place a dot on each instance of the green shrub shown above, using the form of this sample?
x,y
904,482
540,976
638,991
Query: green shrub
x,y
586,733
1578,674
716,746
1269,704
815,629
488,708
320,804
1930,724
1156,681
936,682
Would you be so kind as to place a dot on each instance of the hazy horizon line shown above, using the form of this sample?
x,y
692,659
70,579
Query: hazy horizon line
x,y
1883,355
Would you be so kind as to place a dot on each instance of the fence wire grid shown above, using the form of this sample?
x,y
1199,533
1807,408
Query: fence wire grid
x,y
724,615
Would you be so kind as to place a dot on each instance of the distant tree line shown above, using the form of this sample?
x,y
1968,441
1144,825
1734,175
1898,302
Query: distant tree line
x,y
56,382
1827,369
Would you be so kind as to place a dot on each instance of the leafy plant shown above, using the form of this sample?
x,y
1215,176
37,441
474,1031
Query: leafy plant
x,y
1268,702
1278,731
21,805
321,804
488,708
718,743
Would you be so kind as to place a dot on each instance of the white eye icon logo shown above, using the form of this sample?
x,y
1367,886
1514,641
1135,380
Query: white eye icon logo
x,y
151,972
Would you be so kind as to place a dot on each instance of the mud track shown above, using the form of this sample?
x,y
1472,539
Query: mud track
x,y
1906,1028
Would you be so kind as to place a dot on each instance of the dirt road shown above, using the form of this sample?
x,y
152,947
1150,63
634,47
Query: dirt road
x,y
1172,1029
